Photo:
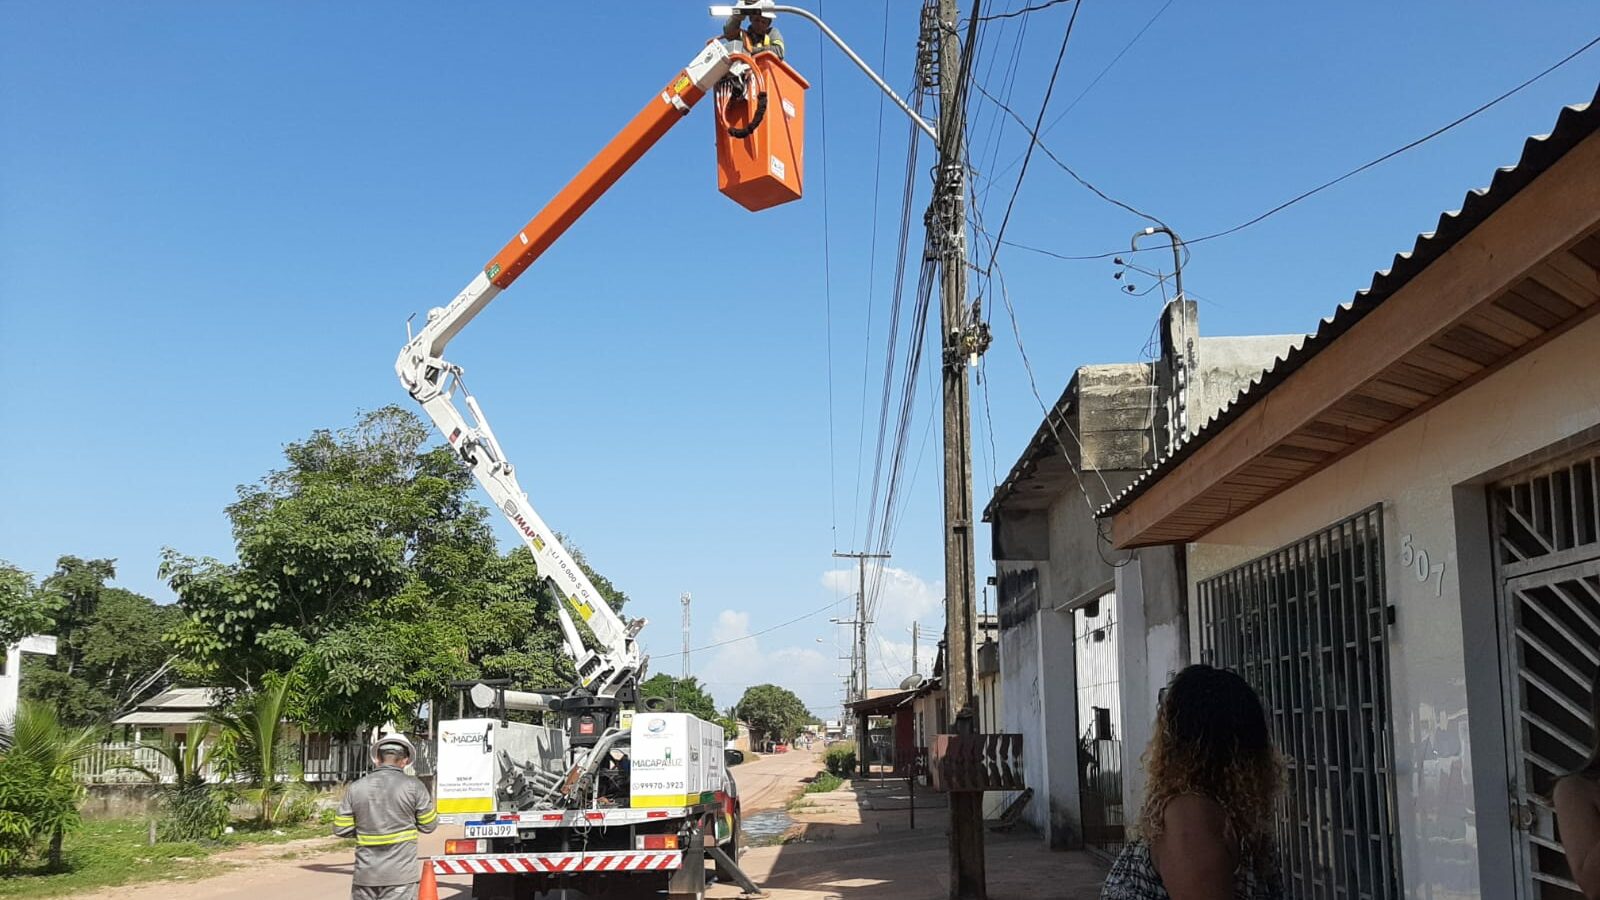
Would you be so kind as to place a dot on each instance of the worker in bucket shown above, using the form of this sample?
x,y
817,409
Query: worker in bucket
x,y
384,812
759,37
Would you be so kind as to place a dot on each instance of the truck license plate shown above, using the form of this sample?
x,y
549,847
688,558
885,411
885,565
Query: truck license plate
x,y
506,829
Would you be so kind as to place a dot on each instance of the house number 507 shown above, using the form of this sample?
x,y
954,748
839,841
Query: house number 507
x,y
1415,560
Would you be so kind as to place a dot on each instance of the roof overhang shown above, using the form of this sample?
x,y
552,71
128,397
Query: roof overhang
x,y
1517,266
161,718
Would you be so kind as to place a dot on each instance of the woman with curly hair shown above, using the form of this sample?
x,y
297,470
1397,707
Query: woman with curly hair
x,y
1205,831
1577,799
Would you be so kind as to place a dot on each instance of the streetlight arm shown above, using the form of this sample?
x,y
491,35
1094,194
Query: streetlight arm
x,y
766,6
1177,249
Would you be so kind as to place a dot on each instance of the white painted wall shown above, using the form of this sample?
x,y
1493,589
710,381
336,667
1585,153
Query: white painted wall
x,y
10,681
1022,712
1417,471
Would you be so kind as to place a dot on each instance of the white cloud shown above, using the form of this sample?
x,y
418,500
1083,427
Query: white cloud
x,y
899,596
795,659
733,667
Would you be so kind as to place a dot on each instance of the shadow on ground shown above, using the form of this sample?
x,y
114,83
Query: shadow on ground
x,y
859,841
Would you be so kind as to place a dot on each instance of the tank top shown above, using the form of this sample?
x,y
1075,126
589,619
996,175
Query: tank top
x,y
1134,877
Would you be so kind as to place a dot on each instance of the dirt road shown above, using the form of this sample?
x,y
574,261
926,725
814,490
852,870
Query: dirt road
x,y
322,868
771,781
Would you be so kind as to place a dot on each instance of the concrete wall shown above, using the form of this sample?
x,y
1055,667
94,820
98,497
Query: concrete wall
x,y
1428,473
1227,365
1153,647
1022,712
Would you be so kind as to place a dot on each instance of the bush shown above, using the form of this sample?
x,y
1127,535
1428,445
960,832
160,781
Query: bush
x,y
840,760
298,805
194,812
823,783
34,805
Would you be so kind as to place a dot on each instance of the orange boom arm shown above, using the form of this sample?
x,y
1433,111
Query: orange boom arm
x,y
637,137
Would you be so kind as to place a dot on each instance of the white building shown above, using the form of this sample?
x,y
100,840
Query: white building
x,y
1064,641
1395,536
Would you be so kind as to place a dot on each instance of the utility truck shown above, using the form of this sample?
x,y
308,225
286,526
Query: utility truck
x,y
611,796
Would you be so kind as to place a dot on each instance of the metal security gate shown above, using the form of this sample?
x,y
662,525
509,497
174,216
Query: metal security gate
x,y
1307,626
1547,542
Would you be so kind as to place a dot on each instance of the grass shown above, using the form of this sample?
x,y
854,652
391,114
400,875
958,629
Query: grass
x,y
823,783
111,852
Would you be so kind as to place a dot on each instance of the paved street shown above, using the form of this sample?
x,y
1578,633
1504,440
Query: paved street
x,y
858,842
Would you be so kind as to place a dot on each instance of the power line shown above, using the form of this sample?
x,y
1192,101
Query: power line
x,y
1085,92
815,612
1033,139
1037,139
827,281
1023,11
1331,182
872,283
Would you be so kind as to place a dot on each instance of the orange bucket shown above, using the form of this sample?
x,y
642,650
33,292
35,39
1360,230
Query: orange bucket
x,y
766,167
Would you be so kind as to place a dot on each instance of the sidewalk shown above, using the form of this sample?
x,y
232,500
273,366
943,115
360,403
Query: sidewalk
x,y
857,842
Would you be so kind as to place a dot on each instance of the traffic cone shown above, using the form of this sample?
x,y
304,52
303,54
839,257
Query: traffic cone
x,y
429,889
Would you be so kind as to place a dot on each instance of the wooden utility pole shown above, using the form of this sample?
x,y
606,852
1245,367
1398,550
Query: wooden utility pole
x,y
914,632
963,339
858,662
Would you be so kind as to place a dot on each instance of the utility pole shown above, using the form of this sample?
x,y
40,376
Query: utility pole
x,y
684,599
914,630
963,337
858,656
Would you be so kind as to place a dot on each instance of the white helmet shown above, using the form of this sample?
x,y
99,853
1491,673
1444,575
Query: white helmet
x,y
395,740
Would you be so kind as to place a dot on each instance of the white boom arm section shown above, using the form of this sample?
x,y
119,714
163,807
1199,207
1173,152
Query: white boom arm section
x,y
617,658
434,382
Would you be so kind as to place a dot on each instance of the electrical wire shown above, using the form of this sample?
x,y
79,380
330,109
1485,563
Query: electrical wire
x,y
1037,139
872,283
1304,195
1091,86
1023,11
827,284
755,634
1033,132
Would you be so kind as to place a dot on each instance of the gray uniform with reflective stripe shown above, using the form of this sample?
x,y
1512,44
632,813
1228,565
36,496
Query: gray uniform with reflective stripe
x,y
384,811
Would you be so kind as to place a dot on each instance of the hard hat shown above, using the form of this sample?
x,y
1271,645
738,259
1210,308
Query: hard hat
x,y
395,740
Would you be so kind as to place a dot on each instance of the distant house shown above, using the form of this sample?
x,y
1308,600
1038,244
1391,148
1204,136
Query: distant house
x,y
168,717
173,716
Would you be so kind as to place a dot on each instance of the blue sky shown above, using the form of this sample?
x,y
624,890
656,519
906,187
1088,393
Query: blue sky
x,y
215,219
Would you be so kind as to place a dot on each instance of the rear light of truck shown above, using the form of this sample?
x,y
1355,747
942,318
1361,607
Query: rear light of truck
x,y
657,842
474,845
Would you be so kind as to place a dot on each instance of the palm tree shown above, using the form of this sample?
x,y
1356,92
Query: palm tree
x,y
188,760
38,736
252,741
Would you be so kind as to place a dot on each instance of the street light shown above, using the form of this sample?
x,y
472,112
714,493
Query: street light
x,y
766,9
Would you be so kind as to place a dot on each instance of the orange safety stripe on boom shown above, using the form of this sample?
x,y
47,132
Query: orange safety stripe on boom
x,y
638,136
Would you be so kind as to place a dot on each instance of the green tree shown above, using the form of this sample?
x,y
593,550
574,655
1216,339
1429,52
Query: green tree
x,y
110,651
45,748
685,695
774,712
24,608
365,567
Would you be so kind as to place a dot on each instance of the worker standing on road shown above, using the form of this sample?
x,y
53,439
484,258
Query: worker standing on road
x,y
384,811
759,37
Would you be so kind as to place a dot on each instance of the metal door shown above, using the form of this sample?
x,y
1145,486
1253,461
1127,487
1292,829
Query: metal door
x,y
1548,551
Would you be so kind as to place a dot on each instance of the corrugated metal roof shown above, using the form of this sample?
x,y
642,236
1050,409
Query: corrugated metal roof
x,y
181,698
179,717
1573,125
